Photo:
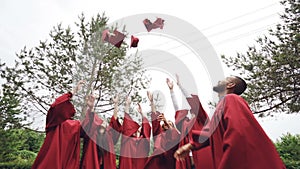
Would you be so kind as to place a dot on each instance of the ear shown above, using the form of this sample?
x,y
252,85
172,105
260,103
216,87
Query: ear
x,y
230,85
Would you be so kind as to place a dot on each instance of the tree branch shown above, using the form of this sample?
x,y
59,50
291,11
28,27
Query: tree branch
x,y
275,106
34,130
34,98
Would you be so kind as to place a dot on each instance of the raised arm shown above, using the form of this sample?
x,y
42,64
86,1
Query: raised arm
x,y
150,97
183,90
116,106
78,87
146,129
114,123
88,120
174,100
156,129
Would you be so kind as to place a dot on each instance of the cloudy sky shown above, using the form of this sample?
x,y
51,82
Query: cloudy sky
x,y
230,26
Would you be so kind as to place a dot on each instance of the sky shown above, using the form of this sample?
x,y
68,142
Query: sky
x,y
230,26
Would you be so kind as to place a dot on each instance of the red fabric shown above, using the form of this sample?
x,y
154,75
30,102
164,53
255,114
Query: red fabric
x,y
134,151
134,41
61,110
116,39
61,147
129,126
198,110
180,117
105,35
165,145
164,148
156,127
183,125
158,23
90,157
202,157
148,24
238,140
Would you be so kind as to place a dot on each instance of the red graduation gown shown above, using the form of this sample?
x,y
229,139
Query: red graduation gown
x,y
237,140
183,125
165,145
61,147
90,158
134,151
202,157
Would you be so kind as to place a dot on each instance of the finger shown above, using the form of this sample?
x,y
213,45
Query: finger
x,y
176,155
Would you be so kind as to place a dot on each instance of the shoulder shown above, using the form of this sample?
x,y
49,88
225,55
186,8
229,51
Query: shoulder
x,y
233,97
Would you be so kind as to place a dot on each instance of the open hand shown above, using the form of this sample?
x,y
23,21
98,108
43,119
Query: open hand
x,y
78,86
170,84
116,99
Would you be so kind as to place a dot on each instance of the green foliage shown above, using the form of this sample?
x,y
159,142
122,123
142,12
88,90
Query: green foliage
x,y
272,69
10,112
43,72
19,145
289,149
16,165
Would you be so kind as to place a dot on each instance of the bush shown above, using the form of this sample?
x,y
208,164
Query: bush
x,y
16,165
289,149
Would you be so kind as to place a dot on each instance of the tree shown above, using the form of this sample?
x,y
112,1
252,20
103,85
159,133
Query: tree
x,y
19,145
11,115
289,149
42,73
272,69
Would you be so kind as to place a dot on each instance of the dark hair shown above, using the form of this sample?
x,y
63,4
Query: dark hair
x,y
240,85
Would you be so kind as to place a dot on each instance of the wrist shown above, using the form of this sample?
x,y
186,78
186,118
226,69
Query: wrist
x,y
126,109
142,114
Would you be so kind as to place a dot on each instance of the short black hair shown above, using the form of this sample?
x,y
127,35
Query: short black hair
x,y
240,85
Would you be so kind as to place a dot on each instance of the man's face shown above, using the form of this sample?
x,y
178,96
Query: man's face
x,y
221,86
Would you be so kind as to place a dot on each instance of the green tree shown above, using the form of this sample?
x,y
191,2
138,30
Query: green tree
x,y
17,144
272,68
10,113
42,73
289,149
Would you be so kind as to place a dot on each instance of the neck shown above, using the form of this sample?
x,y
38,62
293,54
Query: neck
x,y
221,95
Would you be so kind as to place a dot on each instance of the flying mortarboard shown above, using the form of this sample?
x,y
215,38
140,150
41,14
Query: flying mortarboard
x,y
134,41
158,23
116,39
148,24
105,35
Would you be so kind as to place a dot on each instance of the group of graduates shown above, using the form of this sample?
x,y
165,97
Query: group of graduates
x,y
231,139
